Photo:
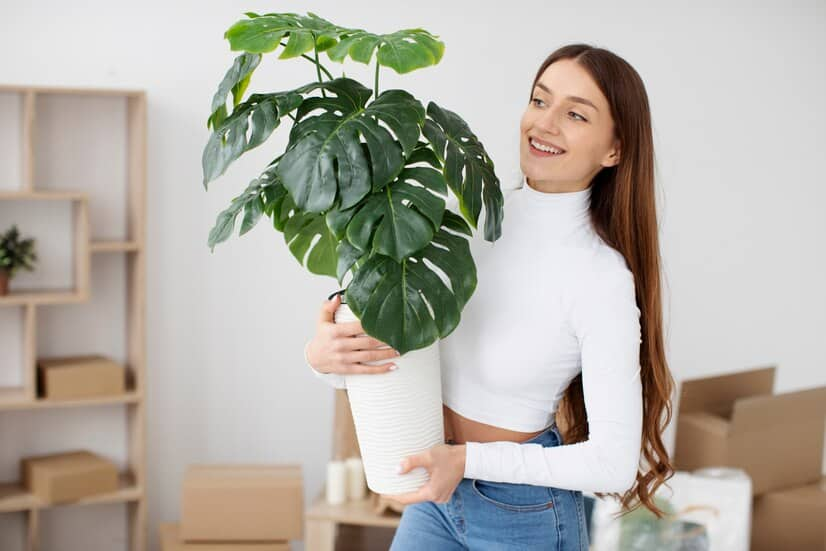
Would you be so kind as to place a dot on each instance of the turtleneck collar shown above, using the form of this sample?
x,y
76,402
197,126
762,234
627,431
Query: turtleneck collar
x,y
566,206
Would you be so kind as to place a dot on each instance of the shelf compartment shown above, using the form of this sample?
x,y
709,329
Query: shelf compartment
x,y
57,195
99,326
17,399
34,213
81,143
15,498
11,395
36,296
357,511
113,246
13,113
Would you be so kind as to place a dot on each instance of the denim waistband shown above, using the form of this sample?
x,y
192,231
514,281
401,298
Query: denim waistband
x,y
549,434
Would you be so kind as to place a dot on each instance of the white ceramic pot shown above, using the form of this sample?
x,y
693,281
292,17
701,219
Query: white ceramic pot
x,y
396,414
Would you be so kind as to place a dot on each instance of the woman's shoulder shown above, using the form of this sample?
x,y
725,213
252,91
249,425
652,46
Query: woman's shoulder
x,y
593,252
595,264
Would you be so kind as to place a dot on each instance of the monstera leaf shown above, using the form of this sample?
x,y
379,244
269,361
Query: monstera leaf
x,y
394,301
325,156
250,202
263,33
403,51
230,140
386,225
460,150
236,81
299,232
361,186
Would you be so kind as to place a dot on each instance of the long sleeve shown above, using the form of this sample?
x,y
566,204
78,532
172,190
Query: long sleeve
x,y
333,379
606,321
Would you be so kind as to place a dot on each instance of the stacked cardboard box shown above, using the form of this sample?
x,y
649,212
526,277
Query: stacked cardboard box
x,y
68,476
171,541
239,508
736,420
67,377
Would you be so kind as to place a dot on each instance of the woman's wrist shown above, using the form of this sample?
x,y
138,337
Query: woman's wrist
x,y
460,455
307,356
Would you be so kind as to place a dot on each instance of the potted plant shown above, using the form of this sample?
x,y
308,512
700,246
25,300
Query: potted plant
x,y
360,189
14,255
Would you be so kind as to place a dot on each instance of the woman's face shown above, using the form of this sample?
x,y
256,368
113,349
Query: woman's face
x,y
567,110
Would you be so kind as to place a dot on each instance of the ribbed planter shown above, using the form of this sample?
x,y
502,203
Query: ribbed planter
x,y
396,414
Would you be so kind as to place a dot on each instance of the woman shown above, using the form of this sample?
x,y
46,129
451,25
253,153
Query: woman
x,y
565,325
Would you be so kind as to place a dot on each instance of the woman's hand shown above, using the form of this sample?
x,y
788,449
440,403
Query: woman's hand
x,y
446,465
338,348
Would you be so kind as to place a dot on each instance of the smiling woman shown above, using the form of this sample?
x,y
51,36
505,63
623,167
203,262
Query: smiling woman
x,y
568,116
556,382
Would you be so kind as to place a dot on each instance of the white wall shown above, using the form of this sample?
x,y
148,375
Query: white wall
x,y
736,94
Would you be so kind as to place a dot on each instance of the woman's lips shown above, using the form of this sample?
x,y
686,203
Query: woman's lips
x,y
540,153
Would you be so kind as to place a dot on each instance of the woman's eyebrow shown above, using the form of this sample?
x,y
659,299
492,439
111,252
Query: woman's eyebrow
x,y
576,99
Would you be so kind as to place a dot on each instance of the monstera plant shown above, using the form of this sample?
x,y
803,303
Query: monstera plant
x,y
362,183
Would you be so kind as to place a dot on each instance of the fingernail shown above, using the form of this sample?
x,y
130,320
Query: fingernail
x,y
393,367
398,353
399,469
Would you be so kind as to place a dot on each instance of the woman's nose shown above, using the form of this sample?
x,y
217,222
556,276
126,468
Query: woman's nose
x,y
548,123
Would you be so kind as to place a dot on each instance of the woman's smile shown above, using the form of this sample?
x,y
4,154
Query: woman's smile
x,y
555,152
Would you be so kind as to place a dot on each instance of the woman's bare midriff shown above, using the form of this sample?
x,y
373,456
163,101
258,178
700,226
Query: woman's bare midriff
x,y
459,430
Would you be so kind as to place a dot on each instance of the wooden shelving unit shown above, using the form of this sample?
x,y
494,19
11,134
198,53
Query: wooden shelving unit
x,y
324,522
132,492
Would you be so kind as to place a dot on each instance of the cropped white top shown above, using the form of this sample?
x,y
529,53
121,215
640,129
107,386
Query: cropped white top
x,y
552,300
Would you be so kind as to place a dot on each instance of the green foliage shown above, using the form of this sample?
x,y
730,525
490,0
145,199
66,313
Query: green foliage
x,y
403,51
361,185
16,254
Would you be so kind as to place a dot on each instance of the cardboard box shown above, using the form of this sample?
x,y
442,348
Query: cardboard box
x,y
735,421
61,378
793,519
67,476
345,441
242,503
171,541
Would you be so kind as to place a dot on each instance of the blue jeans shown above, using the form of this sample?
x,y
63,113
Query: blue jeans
x,y
488,516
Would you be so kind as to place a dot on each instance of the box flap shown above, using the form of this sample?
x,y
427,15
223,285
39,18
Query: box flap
x,y
717,394
82,459
813,495
243,475
71,361
707,421
756,412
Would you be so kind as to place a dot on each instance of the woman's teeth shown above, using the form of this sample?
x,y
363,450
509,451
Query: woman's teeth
x,y
546,149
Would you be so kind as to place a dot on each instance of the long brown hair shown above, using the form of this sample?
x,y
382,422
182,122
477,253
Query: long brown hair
x,y
623,213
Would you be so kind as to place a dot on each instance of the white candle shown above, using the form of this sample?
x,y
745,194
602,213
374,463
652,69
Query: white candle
x,y
356,484
336,482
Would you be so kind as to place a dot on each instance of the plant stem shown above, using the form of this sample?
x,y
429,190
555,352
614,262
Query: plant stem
x,y
318,65
376,85
315,61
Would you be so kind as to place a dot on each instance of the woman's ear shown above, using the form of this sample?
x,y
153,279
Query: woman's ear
x,y
613,158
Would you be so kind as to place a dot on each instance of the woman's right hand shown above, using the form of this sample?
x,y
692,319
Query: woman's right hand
x,y
336,348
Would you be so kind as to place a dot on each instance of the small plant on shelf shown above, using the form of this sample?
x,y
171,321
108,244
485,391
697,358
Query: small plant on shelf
x,y
14,254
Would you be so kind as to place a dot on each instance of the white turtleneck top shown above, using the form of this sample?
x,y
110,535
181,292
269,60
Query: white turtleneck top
x,y
552,300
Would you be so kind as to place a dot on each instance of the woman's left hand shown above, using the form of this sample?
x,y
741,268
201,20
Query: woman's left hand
x,y
446,465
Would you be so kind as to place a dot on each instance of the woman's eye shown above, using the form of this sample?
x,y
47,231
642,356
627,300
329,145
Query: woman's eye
x,y
534,100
